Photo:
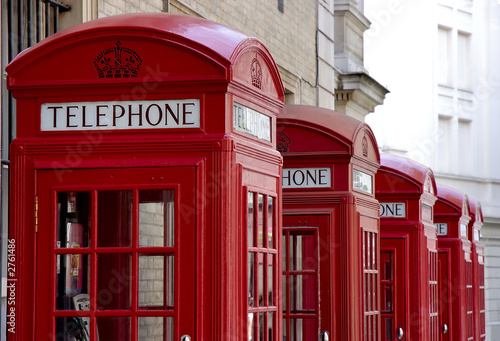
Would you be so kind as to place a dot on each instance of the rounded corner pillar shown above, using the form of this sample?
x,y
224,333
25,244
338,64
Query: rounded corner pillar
x,y
329,166
478,285
144,116
407,193
451,218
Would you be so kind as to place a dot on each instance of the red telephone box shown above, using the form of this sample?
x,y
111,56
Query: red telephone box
x,y
146,186
406,191
477,273
451,217
330,226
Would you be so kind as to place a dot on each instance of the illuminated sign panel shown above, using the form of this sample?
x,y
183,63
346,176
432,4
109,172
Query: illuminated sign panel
x,y
307,177
393,209
120,115
251,122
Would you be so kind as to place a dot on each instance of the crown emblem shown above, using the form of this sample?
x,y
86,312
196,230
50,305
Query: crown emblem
x,y
364,144
283,142
256,73
117,62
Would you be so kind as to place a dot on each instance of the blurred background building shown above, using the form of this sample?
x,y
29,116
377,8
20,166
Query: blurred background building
x,y
439,60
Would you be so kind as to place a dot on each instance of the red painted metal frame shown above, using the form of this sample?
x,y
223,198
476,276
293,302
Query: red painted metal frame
x,y
478,285
316,137
402,180
182,57
452,208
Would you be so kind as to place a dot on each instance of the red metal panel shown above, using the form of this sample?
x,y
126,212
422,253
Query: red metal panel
x,y
411,185
137,61
451,215
319,141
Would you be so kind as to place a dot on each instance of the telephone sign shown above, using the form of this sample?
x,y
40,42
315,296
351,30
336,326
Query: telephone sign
x,y
393,209
158,114
442,229
307,177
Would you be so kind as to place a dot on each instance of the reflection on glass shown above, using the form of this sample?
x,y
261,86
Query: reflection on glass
x,y
283,251
261,325
270,325
386,261
270,272
156,281
153,328
260,221
156,218
302,328
302,252
114,281
73,280
114,218
260,279
114,328
251,267
303,293
72,328
387,304
283,288
250,220
388,328
73,219
270,222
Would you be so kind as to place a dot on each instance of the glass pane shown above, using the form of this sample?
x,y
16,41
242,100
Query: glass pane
x,y
114,281
283,288
156,281
284,329
301,329
155,328
270,325
283,251
270,277
250,220
302,252
303,293
111,328
270,222
251,268
261,279
262,317
73,219
387,329
156,218
72,328
260,221
386,265
114,218
387,297
73,281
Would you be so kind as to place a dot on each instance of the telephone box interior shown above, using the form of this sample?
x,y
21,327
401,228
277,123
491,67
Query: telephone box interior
x,y
451,217
330,226
406,191
146,183
479,304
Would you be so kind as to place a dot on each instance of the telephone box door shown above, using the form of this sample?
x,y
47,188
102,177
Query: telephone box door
x,y
444,295
392,282
116,254
306,277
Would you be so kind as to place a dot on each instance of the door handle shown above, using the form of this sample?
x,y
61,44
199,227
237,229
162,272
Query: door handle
x,y
185,338
325,336
400,333
445,328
